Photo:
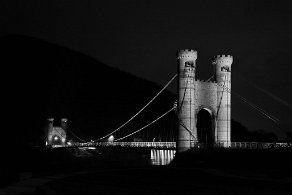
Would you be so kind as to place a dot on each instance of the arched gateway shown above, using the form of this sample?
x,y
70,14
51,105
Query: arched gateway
x,y
204,107
205,127
56,135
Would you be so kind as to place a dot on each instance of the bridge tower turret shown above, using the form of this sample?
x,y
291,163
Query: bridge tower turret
x,y
49,130
64,123
56,135
222,69
186,99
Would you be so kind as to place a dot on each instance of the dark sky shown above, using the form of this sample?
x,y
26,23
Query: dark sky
x,y
142,37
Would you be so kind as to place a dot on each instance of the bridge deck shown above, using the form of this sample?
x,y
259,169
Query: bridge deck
x,y
172,145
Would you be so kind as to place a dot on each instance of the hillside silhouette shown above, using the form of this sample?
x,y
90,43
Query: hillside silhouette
x,y
46,80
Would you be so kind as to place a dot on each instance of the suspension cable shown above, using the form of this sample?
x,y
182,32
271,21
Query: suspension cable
x,y
275,120
210,78
180,106
273,96
76,136
179,109
221,96
184,126
264,113
60,134
146,125
260,110
141,108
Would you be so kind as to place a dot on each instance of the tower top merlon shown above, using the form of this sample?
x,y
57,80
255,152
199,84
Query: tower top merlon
x,y
187,53
64,120
222,59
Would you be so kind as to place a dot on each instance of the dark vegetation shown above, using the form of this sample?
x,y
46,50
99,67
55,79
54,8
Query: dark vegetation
x,y
203,171
241,134
42,161
272,163
191,179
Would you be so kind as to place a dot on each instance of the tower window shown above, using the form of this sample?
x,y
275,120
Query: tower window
x,y
189,64
225,69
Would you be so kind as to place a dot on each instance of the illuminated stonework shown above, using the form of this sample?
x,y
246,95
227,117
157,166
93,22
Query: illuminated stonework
x,y
196,95
56,135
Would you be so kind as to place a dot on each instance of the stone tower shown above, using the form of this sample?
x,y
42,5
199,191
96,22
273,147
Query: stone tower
x,y
198,98
56,135
186,91
222,67
64,123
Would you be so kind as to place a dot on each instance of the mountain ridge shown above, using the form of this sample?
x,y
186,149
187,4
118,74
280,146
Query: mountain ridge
x,y
46,80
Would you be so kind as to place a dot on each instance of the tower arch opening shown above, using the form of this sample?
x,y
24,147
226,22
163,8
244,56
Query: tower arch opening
x,y
56,140
205,127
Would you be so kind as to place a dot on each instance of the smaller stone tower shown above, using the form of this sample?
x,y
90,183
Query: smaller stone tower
x,y
186,93
50,129
222,68
64,123
56,135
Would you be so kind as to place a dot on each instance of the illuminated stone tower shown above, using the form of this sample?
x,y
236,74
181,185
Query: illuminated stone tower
x,y
186,103
64,123
56,135
222,67
197,98
49,131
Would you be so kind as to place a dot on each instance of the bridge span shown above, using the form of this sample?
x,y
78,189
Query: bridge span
x,y
172,145
155,145
201,115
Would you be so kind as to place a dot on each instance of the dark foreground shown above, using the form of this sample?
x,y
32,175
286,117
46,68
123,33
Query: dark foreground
x,y
193,172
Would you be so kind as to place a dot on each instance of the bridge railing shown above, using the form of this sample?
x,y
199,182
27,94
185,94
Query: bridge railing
x,y
252,145
141,144
172,145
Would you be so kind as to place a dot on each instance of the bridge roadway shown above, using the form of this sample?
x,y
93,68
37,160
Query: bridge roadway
x,y
172,145
158,145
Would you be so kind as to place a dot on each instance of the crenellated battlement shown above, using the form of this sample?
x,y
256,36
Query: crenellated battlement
x,y
64,120
204,81
223,56
187,53
222,59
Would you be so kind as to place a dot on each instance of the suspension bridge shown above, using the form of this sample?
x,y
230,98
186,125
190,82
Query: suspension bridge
x,y
212,96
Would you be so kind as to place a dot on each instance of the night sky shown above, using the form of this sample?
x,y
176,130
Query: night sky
x,y
142,37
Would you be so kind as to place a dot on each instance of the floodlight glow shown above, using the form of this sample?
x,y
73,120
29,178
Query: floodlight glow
x,y
111,138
